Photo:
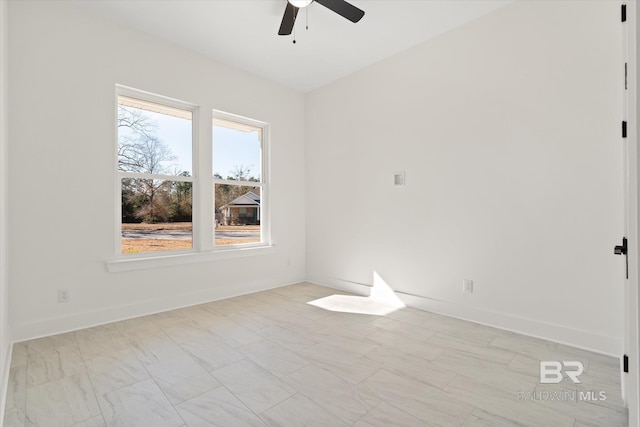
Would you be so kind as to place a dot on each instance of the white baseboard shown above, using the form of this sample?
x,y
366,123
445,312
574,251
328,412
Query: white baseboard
x,y
579,338
68,323
583,339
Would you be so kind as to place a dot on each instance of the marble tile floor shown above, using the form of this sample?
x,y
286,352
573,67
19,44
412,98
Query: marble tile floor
x,y
272,359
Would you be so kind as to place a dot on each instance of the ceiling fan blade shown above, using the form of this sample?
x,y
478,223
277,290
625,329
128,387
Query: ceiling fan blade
x,y
288,20
343,8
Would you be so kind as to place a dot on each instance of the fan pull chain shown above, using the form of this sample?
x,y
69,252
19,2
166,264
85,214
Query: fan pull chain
x,y
294,35
307,15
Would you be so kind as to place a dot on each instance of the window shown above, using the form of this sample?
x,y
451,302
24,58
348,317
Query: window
x,y
159,189
155,168
237,178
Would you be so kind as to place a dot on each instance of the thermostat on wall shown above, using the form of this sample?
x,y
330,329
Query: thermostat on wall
x,y
398,179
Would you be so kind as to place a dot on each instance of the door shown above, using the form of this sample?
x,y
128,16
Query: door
x,y
630,381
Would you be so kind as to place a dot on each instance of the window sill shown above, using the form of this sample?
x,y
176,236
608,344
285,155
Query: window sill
x,y
141,263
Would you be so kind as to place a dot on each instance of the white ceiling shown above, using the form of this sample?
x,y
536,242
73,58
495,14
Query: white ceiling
x,y
243,33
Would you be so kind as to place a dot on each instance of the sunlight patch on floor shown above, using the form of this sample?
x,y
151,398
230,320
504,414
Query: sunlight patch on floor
x,y
353,304
381,301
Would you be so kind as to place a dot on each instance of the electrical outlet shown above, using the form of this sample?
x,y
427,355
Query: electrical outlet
x,y
64,295
467,286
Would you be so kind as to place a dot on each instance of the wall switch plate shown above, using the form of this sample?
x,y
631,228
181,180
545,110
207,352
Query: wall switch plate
x,y
467,286
64,295
398,179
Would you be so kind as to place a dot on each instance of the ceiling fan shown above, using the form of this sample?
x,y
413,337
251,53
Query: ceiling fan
x,y
340,7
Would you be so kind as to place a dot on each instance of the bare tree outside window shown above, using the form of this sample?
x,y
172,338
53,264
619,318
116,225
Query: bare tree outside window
x,y
156,208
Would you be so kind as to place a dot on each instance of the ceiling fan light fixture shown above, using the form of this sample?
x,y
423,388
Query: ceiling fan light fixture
x,y
341,7
300,3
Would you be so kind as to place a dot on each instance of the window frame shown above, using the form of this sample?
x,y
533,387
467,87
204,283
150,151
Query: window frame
x,y
265,214
203,197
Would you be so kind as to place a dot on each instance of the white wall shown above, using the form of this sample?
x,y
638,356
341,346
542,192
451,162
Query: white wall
x,y
508,130
5,330
64,65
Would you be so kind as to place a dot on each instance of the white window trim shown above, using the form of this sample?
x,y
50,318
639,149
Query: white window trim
x,y
203,247
176,178
172,258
